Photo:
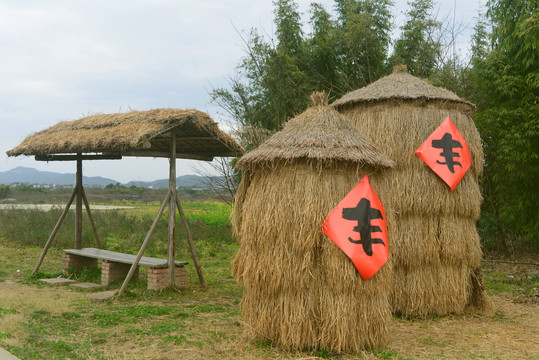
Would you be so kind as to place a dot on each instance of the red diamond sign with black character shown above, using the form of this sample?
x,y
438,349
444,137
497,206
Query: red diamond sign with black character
x,y
357,225
446,152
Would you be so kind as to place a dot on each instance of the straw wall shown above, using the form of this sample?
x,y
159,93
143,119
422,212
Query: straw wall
x,y
300,290
435,247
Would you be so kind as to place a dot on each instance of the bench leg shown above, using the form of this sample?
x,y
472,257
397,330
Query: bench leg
x,y
112,271
75,263
158,278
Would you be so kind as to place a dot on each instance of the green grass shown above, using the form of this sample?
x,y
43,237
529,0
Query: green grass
x,y
430,341
323,353
124,230
386,354
7,311
51,337
514,285
211,213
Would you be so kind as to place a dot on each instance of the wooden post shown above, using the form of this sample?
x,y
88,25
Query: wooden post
x,y
172,211
78,215
94,228
144,244
191,245
54,231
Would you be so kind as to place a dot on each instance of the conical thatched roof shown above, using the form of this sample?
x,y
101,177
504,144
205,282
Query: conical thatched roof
x,y
136,133
399,85
319,133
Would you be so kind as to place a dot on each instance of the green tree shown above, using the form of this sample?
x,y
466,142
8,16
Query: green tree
x,y
364,28
275,78
271,84
322,55
417,47
507,84
5,191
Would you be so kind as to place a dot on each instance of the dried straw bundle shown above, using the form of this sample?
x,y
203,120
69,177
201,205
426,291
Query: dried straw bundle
x,y
300,290
435,246
132,131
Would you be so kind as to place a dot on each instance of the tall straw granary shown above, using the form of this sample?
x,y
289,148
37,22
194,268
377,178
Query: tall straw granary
x,y
300,290
435,247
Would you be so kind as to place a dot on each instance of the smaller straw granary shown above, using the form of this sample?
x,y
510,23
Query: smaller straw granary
x,y
300,290
435,246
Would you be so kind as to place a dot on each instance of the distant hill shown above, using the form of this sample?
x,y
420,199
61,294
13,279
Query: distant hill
x,y
184,181
28,175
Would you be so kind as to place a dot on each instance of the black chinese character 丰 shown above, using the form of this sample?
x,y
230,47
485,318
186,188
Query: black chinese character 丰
x,y
446,143
363,214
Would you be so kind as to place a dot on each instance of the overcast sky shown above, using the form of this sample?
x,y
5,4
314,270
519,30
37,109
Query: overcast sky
x,y
66,59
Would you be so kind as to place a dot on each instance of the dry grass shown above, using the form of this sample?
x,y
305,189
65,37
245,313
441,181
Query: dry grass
x,y
133,131
505,332
400,85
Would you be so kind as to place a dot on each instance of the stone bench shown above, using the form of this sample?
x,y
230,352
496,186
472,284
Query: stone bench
x,y
115,266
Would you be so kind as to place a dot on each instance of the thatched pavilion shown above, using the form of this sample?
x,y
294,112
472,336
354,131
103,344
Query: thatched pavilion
x,y
167,133
435,246
300,290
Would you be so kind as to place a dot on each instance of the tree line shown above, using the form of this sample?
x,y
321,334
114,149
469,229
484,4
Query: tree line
x,y
353,47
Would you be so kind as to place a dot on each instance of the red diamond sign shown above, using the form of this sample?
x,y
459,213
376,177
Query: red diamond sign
x,y
357,225
446,152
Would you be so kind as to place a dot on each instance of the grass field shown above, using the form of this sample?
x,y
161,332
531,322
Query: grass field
x,y
39,321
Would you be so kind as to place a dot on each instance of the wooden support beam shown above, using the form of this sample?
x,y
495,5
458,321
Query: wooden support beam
x,y
136,153
54,231
144,244
70,157
78,209
191,245
94,228
164,154
172,211
182,138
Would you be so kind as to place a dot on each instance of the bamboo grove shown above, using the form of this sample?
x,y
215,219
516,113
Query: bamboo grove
x,y
351,45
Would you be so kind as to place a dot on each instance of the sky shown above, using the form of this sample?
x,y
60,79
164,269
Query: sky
x,y
65,59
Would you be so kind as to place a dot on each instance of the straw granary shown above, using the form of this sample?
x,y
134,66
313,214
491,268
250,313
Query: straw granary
x,y
435,247
300,290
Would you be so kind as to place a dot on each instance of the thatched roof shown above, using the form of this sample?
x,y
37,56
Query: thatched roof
x,y
136,133
319,133
399,85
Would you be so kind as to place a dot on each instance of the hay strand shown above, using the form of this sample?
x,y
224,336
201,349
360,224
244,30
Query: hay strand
x,y
319,99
